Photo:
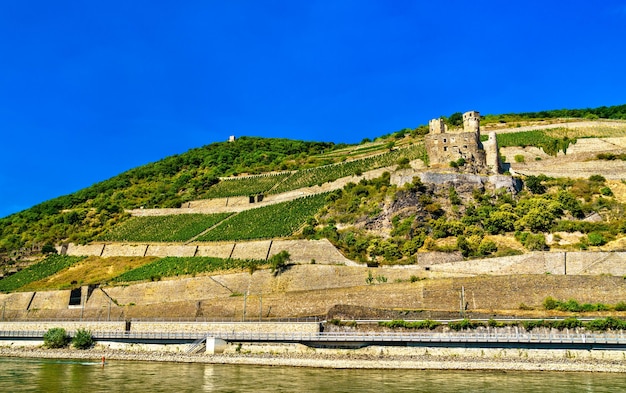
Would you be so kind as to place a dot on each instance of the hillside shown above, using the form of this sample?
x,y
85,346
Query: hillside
x,y
378,202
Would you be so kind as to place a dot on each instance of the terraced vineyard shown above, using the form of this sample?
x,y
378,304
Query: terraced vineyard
x,y
251,185
174,266
49,266
279,220
321,175
174,228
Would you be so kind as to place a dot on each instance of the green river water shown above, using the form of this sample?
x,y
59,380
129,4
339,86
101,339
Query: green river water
x,y
46,375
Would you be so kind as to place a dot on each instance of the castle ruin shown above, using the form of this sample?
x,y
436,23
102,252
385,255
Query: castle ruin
x,y
445,146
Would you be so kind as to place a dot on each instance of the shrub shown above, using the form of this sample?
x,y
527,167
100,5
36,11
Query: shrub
x,y
278,262
83,339
595,239
56,338
606,191
518,158
464,324
533,183
550,303
597,178
48,248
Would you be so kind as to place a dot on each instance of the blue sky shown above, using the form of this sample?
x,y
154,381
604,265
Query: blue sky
x,y
89,89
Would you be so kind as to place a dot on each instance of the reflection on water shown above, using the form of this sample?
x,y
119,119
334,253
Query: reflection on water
x,y
43,375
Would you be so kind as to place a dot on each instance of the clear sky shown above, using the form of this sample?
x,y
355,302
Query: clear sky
x,y
89,89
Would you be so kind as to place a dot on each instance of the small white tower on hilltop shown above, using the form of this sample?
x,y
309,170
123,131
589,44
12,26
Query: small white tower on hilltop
x,y
231,138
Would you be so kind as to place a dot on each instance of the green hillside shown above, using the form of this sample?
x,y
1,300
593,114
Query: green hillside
x,y
252,166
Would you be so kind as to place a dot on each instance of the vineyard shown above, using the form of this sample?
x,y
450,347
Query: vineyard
x,y
251,185
174,228
324,174
279,220
174,266
49,266
540,138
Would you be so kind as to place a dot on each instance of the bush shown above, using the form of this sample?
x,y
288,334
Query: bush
x,y
533,183
595,239
464,324
550,303
83,339
606,191
518,158
278,262
56,338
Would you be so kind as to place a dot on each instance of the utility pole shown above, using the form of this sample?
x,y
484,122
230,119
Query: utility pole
x,y
243,318
462,302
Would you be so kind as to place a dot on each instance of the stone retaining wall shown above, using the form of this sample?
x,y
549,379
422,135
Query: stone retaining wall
x,y
570,263
67,325
218,250
226,327
127,250
251,250
301,251
89,249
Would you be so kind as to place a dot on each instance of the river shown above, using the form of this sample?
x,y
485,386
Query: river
x,y
46,375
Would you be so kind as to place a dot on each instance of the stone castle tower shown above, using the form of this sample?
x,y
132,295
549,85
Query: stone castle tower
x,y
444,146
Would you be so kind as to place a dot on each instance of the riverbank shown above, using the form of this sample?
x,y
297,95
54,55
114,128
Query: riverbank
x,y
367,358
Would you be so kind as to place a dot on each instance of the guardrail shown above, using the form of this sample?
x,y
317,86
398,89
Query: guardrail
x,y
618,339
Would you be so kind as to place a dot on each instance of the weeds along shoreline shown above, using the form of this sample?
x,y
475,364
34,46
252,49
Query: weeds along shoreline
x,y
365,358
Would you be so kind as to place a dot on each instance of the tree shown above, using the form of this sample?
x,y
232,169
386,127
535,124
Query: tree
x,y
455,120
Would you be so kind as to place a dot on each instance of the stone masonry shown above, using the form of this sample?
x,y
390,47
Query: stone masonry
x,y
444,146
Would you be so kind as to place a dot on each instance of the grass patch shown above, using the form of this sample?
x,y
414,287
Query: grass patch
x,y
49,266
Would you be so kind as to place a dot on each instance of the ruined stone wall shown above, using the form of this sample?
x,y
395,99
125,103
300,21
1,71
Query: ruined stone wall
x,y
492,157
446,147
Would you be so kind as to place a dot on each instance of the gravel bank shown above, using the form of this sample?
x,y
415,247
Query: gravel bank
x,y
336,360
